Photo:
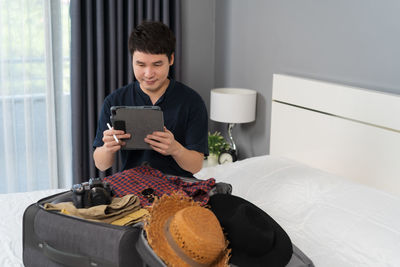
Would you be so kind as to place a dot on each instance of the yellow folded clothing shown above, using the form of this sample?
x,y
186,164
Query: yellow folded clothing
x,y
118,208
132,218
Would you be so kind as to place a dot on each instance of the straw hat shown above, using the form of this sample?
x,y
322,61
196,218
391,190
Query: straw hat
x,y
182,233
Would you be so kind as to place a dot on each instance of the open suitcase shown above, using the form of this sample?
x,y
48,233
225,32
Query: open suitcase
x,y
54,239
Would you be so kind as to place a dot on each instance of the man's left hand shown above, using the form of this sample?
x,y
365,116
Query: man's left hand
x,y
164,143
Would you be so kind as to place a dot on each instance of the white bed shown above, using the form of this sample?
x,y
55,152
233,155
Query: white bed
x,y
334,221
331,181
12,207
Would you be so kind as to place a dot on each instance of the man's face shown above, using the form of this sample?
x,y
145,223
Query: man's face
x,y
151,70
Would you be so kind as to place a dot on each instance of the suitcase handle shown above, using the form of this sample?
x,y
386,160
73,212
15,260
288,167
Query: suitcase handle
x,y
70,259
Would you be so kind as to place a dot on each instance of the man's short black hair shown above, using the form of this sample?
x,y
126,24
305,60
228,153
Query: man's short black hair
x,y
153,38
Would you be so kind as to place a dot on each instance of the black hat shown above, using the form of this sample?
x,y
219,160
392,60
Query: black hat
x,y
254,237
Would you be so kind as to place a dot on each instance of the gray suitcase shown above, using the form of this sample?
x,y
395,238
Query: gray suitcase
x,y
54,239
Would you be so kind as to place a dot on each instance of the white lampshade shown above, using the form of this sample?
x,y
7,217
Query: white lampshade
x,y
233,105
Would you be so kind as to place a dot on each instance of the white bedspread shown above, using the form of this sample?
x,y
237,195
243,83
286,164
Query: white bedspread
x,y
12,208
334,221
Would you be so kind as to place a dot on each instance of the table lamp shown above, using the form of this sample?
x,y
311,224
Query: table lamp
x,y
232,106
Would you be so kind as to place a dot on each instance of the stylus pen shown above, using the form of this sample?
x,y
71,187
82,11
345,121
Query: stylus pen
x,y
109,127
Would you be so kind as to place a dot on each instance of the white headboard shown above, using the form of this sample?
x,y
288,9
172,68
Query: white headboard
x,y
349,131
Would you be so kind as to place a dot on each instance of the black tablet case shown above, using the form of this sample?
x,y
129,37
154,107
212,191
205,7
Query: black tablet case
x,y
139,121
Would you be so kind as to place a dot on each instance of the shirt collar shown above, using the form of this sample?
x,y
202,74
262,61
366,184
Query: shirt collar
x,y
146,99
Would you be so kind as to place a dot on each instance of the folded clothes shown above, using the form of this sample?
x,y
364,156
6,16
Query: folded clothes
x,y
139,179
117,209
132,218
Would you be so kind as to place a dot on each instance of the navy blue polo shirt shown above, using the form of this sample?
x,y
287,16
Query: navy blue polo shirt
x,y
185,115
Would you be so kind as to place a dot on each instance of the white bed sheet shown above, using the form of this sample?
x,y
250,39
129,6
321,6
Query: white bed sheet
x,y
12,207
332,220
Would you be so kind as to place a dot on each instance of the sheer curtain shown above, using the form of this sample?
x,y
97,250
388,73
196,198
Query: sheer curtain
x,y
35,134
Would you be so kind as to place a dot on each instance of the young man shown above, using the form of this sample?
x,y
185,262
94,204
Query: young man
x,y
180,148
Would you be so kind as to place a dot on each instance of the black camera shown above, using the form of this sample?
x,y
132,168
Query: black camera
x,y
92,193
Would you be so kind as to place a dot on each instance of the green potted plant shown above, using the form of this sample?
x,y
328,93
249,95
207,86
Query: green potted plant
x,y
216,144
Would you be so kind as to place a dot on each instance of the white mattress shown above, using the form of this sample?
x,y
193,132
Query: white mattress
x,y
12,207
334,221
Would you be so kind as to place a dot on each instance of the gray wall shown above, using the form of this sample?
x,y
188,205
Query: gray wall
x,y
349,42
198,37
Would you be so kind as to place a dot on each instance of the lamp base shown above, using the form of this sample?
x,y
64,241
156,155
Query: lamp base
x,y
233,145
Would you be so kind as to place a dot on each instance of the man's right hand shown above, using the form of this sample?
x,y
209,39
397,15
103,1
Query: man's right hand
x,y
104,156
110,144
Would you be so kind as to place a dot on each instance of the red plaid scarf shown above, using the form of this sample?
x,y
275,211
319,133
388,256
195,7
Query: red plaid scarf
x,y
135,180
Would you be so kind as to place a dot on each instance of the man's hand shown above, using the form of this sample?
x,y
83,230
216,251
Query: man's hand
x,y
110,144
104,156
164,143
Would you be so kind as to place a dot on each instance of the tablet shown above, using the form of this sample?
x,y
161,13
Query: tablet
x,y
139,121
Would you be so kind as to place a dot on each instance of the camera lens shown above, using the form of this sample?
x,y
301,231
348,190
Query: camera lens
x,y
99,196
77,188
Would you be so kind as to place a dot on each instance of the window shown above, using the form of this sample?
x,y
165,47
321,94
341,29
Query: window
x,y
35,139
